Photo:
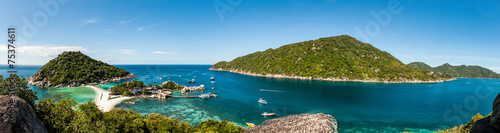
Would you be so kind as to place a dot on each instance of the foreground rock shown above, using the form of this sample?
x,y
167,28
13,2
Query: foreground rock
x,y
490,124
25,119
483,126
304,123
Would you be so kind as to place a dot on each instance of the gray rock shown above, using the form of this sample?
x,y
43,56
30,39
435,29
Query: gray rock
x,y
304,123
495,115
483,126
25,120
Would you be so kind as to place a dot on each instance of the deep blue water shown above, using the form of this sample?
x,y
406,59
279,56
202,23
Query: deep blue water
x,y
358,107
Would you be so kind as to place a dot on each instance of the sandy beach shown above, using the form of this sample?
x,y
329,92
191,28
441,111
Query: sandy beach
x,y
102,99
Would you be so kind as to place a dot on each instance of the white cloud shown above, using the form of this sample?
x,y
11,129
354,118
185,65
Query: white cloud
x,y
88,21
162,52
46,51
151,26
127,21
124,51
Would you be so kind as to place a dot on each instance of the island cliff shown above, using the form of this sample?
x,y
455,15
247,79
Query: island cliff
x,y
339,58
71,69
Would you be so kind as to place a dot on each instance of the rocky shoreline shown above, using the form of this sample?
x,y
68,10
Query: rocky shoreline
x,y
45,83
301,123
328,79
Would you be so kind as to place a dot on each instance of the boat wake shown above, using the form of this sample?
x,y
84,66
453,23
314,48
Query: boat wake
x,y
271,90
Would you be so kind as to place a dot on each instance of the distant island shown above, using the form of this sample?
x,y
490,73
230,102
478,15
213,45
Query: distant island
x,y
73,68
462,71
339,58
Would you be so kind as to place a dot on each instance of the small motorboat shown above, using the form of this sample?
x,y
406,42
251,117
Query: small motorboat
x,y
268,114
250,124
192,81
213,88
213,82
204,96
261,101
212,78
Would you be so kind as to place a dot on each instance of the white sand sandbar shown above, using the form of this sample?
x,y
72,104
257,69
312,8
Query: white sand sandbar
x,y
102,99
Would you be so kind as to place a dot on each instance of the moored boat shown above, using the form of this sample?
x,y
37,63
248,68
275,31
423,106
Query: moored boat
x,y
212,78
250,124
268,114
192,81
261,101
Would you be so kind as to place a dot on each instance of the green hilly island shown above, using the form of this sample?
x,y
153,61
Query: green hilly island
x,y
339,58
71,69
458,71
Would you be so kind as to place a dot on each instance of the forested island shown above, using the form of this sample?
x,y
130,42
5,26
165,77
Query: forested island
x,y
339,58
461,71
73,68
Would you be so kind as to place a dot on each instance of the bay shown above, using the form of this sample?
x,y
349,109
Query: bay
x,y
358,107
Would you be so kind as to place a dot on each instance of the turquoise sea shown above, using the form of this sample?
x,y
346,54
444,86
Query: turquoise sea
x,y
358,107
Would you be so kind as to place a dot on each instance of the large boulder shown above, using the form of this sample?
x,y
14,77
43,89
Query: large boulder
x,y
24,119
483,126
304,123
495,115
490,124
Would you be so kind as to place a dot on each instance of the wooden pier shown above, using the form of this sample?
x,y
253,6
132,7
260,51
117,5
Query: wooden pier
x,y
211,95
181,96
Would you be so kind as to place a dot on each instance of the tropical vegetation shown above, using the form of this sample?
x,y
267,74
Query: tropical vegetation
x,y
77,67
458,71
339,57
464,128
67,115
21,88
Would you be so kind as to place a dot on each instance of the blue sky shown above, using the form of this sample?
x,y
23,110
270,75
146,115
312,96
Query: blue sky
x,y
195,32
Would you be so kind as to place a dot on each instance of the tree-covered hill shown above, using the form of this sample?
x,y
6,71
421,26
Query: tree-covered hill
x,y
332,58
458,71
73,69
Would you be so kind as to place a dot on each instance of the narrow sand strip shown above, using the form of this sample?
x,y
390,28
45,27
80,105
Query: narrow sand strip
x,y
102,99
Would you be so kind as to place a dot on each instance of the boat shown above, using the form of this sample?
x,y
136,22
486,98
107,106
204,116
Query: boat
x,y
212,78
192,81
204,96
213,88
213,82
130,102
250,124
268,114
261,101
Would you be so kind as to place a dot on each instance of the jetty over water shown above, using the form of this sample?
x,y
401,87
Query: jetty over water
x,y
181,96
200,96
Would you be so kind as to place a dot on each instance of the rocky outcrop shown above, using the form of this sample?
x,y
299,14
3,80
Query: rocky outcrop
x,y
490,124
483,126
495,115
16,116
45,83
303,123
193,88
